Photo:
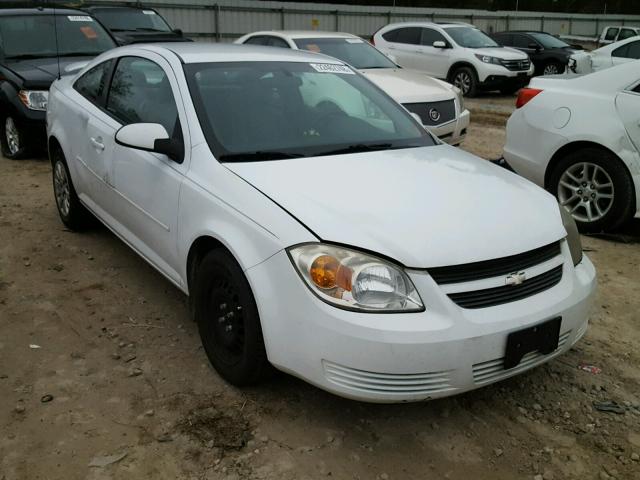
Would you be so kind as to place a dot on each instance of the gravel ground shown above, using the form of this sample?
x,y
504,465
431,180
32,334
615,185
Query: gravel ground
x,y
102,375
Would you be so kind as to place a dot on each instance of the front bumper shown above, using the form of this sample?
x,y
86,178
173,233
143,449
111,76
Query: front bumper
x,y
496,76
453,132
442,351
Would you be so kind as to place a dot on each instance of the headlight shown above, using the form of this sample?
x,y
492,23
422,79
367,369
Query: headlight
x,y
34,99
573,237
488,59
460,97
353,280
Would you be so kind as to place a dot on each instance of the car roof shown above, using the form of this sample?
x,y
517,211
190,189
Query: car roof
x,y
95,8
293,34
430,24
39,11
228,52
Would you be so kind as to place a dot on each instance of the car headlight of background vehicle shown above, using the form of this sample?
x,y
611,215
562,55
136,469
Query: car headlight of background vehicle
x,y
34,99
354,280
573,236
488,59
458,92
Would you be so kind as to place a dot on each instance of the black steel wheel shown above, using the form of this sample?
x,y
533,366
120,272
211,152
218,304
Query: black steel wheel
x,y
228,319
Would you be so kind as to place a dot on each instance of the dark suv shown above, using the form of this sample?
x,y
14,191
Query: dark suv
x,y
549,54
136,25
33,53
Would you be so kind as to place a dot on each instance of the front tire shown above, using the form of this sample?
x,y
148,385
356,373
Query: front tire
x,y
466,79
73,214
14,141
552,68
228,320
594,186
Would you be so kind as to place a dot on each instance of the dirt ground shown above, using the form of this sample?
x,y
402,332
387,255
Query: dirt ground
x,y
102,375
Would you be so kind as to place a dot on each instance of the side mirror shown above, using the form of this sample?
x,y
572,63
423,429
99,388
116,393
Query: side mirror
x,y
178,31
534,46
150,137
439,44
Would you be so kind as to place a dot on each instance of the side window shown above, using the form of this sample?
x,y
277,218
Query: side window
x,y
521,41
410,35
391,35
91,85
277,42
636,88
141,93
621,52
626,33
630,50
503,39
258,40
430,35
611,34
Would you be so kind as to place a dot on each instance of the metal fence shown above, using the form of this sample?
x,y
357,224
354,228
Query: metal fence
x,y
225,20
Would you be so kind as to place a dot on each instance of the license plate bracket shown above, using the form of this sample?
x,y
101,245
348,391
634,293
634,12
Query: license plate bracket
x,y
542,337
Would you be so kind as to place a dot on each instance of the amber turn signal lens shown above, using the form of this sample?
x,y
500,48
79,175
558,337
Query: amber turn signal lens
x,y
327,272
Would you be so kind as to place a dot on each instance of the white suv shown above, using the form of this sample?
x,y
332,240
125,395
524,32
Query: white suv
x,y
456,52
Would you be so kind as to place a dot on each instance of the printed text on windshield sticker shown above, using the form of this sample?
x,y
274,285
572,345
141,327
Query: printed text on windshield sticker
x,y
79,18
331,68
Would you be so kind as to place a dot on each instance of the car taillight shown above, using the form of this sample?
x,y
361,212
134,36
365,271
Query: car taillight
x,y
525,95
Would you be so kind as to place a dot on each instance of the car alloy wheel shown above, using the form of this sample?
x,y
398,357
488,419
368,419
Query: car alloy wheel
x,y
228,321
61,188
551,69
13,137
462,80
586,191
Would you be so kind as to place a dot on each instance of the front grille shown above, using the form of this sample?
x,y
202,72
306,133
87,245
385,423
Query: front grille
x,y
493,370
433,113
516,65
494,268
388,383
490,297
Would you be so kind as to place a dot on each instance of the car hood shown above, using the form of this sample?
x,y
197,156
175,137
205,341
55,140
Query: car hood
x,y
409,86
504,53
424,207
41,72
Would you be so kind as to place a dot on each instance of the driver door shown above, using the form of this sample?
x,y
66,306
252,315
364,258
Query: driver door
x,y
146,185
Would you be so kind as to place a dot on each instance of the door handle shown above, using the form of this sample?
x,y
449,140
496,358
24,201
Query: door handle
x,y
97,143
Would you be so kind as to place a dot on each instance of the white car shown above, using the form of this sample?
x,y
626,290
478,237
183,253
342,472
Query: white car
x,y
439,105
458,53
579,138
314,223
611,55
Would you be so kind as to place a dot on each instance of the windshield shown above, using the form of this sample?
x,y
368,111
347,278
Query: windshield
x,y
549,41
129,19
354,51
470,37
272,110
33,36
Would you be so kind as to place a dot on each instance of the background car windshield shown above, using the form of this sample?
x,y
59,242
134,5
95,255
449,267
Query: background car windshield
x,y
470,37
297,109
354,51
117,19
35,36
549,41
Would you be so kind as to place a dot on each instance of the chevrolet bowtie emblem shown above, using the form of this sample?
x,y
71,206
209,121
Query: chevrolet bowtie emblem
x,y
515,278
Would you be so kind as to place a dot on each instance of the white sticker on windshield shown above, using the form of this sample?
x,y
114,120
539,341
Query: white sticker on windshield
x,y
331,68
79,18
148,12
354,40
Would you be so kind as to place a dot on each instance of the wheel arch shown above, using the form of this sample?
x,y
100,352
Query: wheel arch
x,y
52,144
197,251
574,147
458,64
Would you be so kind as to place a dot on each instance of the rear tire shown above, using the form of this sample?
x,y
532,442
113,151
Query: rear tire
x,y
595,187
14,141
466,79
73,214
228,320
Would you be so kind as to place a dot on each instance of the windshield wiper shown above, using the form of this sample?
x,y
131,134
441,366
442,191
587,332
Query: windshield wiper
x,y
360,147
258,156
146,29
28,56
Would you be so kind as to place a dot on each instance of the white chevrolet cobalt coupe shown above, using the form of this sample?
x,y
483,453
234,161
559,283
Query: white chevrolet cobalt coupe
x,y
315,225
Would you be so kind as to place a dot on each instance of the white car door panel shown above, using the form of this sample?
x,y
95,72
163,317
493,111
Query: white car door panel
x,y
628,106
146,185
